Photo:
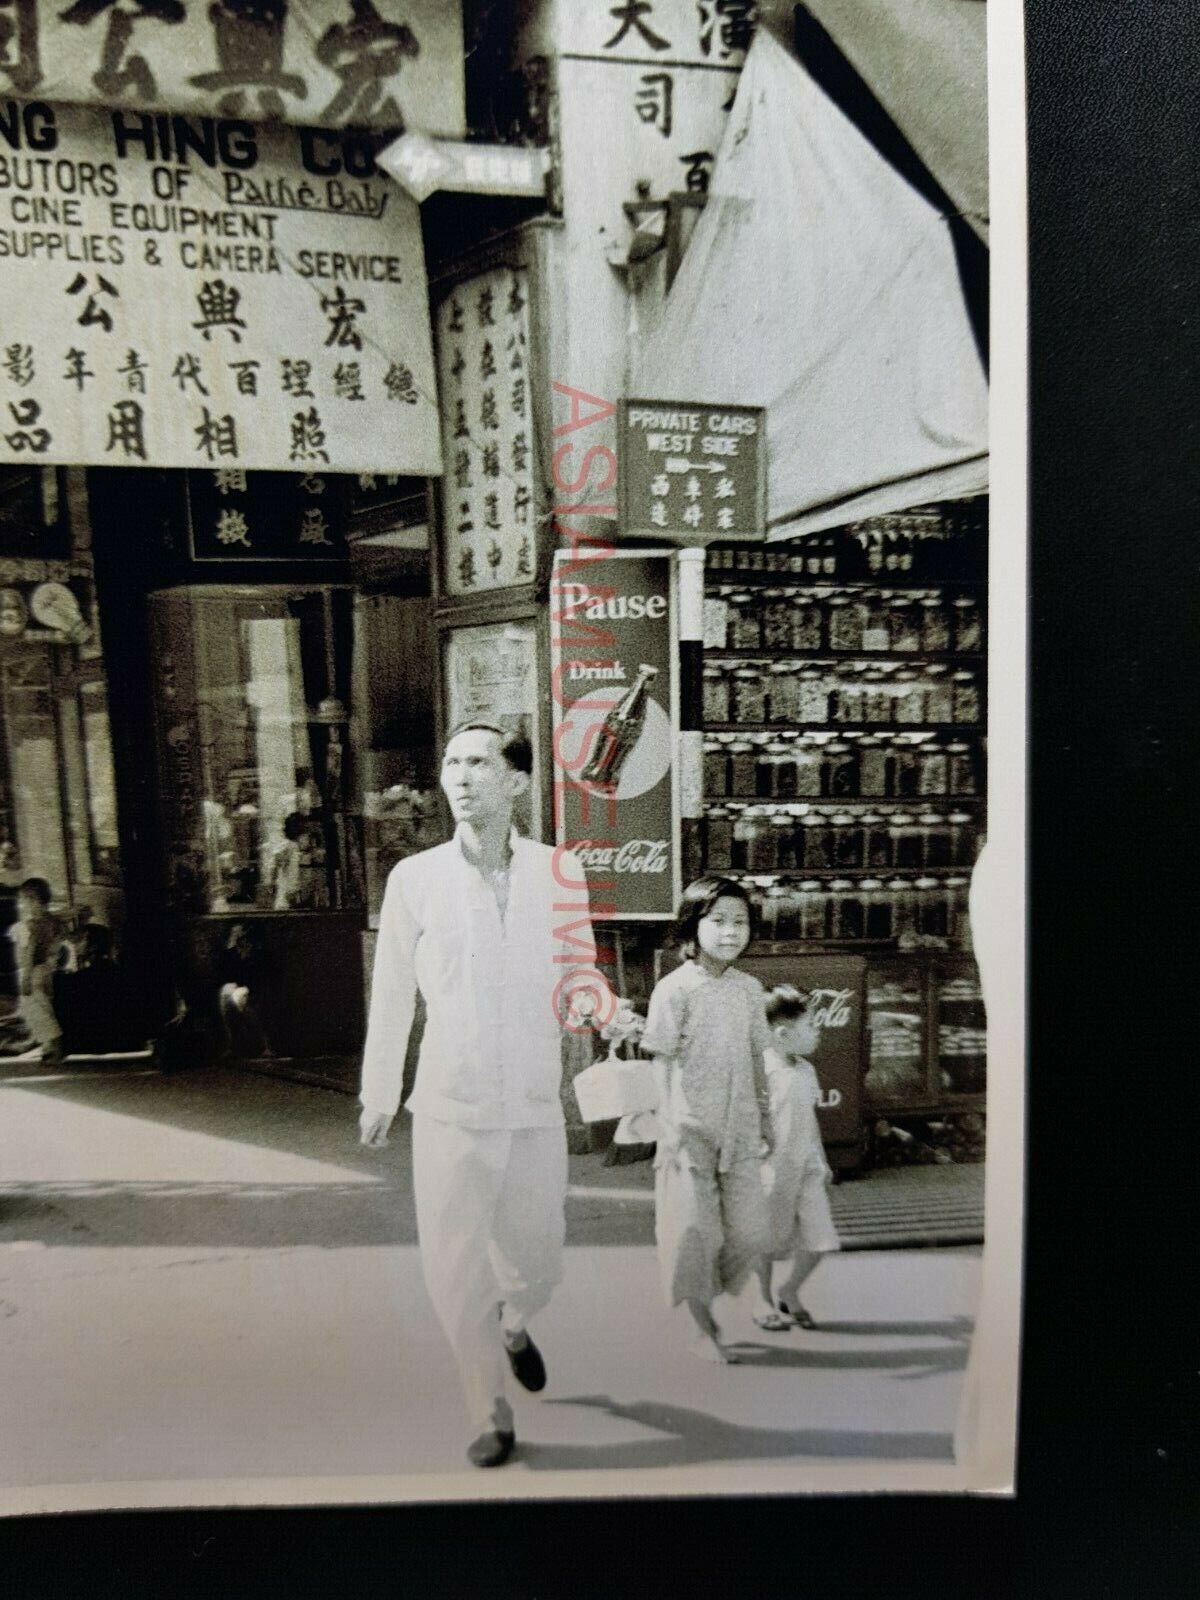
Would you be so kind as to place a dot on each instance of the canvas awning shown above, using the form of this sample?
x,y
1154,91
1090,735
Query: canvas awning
x,y
820,285
926,62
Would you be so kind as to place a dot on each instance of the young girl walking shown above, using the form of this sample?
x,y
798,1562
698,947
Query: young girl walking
x,y
707,1030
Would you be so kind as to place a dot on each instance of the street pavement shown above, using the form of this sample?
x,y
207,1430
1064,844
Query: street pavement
x,y
208,1291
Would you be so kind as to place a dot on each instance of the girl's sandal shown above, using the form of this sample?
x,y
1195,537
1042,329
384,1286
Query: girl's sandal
x,y
797,1315
773,1322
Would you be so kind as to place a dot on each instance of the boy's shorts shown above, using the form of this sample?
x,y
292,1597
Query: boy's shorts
x,y
801,1219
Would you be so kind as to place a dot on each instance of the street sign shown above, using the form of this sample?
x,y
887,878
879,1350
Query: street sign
x,y
422,165
692,472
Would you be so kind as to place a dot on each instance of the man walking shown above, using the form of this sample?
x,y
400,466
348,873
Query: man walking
x,y
473,924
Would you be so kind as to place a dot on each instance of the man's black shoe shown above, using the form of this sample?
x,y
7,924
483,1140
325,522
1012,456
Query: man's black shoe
x,y
528,1367
491,1449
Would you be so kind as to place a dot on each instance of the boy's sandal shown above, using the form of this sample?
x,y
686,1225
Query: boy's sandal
x,y
797,1315
773,1322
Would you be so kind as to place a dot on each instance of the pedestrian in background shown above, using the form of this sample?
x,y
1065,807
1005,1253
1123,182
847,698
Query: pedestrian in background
x,y
477,926
708,1030
797,1175
37,937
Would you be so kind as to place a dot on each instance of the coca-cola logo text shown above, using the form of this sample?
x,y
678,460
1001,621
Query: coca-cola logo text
x,y
635,855
830,1008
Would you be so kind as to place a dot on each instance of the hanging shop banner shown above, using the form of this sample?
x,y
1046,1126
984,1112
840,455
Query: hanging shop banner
x,y
487,433
615,692
230,296
320,63
693,472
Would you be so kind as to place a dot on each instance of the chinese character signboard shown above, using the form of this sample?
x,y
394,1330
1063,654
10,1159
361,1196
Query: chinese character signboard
x,y
692,472
261,516
348,62
702,33
487,433
614,687
238,300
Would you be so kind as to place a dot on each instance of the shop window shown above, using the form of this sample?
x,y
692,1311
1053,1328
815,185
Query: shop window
x,y
255,742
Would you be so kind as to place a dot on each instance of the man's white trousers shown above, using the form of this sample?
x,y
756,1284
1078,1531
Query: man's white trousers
x,y
490,1220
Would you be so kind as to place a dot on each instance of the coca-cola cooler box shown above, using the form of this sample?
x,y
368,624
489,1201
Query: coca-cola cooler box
x,y
837,988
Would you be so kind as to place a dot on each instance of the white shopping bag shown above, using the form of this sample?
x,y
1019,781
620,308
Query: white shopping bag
x,y
611,1089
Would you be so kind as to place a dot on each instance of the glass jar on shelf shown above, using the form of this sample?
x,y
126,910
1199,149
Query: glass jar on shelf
x,y
784,691
850,696
932,912
963,779
876,635
902,770
935,625
743,833
785,770
816,842
872,766
877,909
939,694
743,763
718,839
807,759
813,910
847,620
958,928
745,626
808,624
776,620
848,920
968,627
716,622
716,691
716,770
847,839
765,756
910,700
814,696
904,624
877,840
933,769
787,922
760,839
748,699
841,771
966,697
769,897
877,696
963,838
904,909
786,845
907,843
812,556
936,830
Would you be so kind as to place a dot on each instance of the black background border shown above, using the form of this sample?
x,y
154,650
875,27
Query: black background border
x,y
1103,1504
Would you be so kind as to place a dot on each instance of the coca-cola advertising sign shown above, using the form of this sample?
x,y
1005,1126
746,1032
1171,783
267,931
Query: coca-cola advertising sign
x,y
614,688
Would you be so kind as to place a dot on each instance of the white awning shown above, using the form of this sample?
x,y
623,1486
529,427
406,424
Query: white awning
x,y
820,285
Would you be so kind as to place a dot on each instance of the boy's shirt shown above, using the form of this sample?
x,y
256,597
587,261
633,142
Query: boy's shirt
x,y
795,1096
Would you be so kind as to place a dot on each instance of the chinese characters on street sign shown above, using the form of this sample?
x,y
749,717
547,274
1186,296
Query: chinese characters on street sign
x,y
235,515
421,166
353,63
692,472
487,433
207,294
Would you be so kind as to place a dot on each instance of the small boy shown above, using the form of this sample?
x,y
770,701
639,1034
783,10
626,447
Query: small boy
x,y
796,1174
37,938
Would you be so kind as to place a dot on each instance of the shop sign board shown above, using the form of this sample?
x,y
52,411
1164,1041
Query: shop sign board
x,y
692,472
487,433
352,63
44,602
259,516
701,33
228,296
422,166
615,693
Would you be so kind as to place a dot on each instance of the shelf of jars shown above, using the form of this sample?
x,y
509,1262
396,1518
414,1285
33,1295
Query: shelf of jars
x,y
867,699
757,764
868,619
892,913
932,543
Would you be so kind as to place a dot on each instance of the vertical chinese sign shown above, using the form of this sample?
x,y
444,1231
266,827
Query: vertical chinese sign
x,y
197,294
487,433
615,691
692,472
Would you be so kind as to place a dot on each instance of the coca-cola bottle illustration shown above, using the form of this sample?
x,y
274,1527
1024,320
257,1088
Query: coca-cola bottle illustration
x,y
620,731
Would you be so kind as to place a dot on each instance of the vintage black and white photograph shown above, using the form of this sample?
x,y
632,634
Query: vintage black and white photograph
x,y
512,676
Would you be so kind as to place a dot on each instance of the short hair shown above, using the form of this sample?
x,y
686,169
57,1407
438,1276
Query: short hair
x,y
785,1003
39,888
295,825
514,745
699,898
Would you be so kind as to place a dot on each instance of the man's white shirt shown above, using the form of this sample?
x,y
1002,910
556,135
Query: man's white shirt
x,y
491,1055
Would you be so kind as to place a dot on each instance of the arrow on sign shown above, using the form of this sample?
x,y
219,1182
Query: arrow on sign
x,y
685,464
422,165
